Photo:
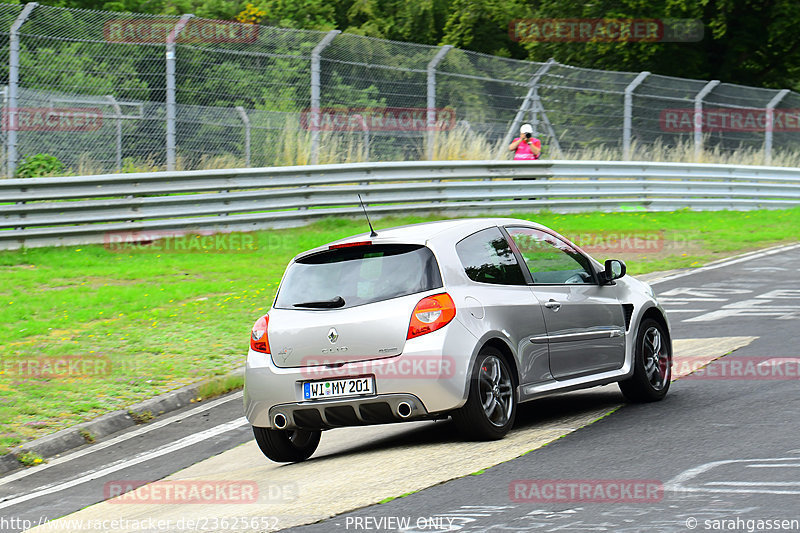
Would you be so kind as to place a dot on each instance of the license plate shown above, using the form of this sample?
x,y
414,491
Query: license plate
x,y
337,388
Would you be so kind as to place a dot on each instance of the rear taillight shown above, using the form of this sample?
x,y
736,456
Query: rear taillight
x,y
430,314
259,340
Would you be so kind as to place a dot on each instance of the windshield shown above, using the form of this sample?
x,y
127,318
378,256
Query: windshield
x,y
358,275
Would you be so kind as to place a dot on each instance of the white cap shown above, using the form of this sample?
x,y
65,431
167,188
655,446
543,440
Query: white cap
x,y
526,128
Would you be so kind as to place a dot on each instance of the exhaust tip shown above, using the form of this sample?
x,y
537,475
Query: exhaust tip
x,y
279,421
404,409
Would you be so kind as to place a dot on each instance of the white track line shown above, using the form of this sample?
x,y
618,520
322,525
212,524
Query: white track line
x,y
146,456
727,262
120,438
678,483
755,483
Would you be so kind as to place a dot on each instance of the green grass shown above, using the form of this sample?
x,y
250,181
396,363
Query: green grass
x,y
219,386
30,459
162,320
141,417
392,498
87,435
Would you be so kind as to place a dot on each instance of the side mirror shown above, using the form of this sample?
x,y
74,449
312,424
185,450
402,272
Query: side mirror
x,y
614,269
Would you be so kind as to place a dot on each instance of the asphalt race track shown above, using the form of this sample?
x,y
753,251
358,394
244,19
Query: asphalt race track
x,y
724,449
721,452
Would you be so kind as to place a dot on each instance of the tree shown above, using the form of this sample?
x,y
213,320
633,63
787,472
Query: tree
x,y
748,42
483,26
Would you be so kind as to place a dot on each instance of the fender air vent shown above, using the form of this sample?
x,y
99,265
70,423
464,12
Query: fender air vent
x,y
627,311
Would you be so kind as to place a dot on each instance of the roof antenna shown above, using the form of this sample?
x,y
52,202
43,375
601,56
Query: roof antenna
x,y
371,231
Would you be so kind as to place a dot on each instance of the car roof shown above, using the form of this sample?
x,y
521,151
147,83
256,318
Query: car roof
x,y
425,232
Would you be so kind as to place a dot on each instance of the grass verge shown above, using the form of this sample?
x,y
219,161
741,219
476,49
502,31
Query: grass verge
x,y
139,324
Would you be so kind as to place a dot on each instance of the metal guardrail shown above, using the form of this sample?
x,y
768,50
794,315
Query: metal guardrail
x,y
81,210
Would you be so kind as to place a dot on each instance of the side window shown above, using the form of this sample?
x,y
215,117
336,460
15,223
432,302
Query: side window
x,y
487,258
549,259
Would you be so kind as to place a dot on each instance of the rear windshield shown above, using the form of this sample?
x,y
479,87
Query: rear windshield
x,y
358,275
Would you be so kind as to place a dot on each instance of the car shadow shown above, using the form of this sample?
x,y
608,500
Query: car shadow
x,y
553,408
530,414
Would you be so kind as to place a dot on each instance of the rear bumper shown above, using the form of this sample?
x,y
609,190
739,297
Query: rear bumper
x,y
380,409
431,376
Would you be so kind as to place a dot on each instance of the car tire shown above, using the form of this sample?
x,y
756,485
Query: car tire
x,y
491,403
652,364
287,446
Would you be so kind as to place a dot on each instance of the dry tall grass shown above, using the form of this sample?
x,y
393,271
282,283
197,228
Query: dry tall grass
x,y
295,147
462,143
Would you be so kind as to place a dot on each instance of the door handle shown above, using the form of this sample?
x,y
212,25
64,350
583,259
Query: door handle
x,y
552,304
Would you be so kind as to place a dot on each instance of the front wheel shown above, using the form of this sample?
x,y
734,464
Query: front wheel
x,y
491,404
652,364
287,446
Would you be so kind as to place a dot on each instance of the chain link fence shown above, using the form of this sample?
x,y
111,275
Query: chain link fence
x,y
109,92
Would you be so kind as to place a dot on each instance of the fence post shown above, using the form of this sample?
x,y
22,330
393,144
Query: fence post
x,y
13,85
246,122
118,116
537,107
532,94
770,122
315,92
170,64
698,116
431,111
3,143
627,122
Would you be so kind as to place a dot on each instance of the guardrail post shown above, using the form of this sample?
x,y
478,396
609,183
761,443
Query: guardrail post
x,y
246,122
431,111
627,121
316,70
118,117
770,122
698,116
13,85
533,93
170,101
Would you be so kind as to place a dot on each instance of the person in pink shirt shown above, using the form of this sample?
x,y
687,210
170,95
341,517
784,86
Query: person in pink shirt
x,y
526,146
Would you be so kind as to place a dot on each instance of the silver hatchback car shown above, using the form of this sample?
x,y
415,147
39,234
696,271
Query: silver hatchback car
x,y
460,318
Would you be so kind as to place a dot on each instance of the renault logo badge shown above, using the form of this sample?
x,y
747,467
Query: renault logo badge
x,y
333,335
